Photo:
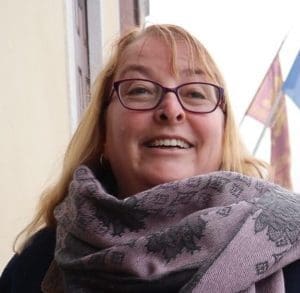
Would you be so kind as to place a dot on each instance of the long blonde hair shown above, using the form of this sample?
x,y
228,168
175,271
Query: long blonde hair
x,y
87,143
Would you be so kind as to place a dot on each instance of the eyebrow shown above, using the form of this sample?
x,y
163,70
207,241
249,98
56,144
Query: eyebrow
x,y
144,70
189,71
134,67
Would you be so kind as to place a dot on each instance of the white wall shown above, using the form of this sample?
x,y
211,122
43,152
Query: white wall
x,y
34,109
35,102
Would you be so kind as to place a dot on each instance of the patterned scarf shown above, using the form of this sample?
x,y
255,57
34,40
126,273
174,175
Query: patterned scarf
x,y
220,232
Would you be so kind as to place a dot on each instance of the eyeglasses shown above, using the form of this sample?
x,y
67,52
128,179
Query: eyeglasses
x,y
143,94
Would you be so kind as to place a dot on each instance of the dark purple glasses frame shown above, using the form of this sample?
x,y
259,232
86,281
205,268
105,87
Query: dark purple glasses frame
x,y
220,95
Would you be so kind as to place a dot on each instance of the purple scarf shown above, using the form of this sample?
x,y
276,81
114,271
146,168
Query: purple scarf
x,y
220,232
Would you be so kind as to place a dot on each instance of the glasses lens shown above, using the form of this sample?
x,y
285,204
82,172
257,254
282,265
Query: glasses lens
x,y
139,94
198,97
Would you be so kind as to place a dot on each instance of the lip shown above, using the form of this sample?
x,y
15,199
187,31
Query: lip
x,y
151,140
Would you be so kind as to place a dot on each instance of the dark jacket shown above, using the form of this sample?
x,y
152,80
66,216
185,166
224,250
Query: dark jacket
x,y
25,272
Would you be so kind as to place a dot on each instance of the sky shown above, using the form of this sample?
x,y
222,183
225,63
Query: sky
x,y
243,38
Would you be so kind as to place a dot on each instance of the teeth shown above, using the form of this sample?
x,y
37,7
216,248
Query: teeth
x,y
169,143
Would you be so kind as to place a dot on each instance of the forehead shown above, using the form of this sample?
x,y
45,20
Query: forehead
x,y
145,45
154,51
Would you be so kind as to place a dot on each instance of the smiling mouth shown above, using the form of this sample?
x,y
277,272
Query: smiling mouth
x,y
169,143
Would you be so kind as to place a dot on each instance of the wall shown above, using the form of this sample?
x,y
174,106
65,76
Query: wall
x,y
35,102
110,24
34,109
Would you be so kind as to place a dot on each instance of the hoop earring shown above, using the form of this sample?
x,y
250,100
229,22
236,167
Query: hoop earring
x,y
104,164
101,160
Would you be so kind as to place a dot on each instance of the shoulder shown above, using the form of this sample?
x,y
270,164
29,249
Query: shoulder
x,y
25,271
291,277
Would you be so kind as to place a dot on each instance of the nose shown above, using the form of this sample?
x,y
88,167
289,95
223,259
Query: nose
x,y
169,110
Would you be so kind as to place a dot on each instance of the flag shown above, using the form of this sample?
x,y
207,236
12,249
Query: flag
x,y
261,109
280,147
291,86
261,105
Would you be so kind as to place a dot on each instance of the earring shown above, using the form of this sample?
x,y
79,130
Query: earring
x,y
101,160
104,163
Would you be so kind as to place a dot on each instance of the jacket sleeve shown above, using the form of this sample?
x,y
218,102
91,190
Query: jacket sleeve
x,y
25,271
292,277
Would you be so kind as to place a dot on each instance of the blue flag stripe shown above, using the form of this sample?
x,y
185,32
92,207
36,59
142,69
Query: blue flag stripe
x,y
291,86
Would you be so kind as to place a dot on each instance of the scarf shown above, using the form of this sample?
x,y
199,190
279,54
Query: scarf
x,y
219,232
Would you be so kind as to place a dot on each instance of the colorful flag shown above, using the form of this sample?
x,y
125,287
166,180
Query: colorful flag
x,y
260,107
268,94
280,147
291,86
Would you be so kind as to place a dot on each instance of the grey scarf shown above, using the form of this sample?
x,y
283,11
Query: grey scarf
x,y
220,232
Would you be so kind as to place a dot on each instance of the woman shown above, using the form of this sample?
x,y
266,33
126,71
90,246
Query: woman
x,y
142,204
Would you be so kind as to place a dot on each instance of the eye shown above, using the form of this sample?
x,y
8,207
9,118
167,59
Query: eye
x,y
138,90
193,91
196,95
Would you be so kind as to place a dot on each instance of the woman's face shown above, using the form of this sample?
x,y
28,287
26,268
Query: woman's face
x,y
133,138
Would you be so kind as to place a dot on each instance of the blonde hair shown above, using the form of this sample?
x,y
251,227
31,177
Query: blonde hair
x,y
87,143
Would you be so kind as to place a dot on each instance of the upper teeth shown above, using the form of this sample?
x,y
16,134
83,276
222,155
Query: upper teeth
x,y
170,142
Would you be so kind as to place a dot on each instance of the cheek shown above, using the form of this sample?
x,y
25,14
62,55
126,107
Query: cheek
x,y
211,128
122,127
213,136
113,131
